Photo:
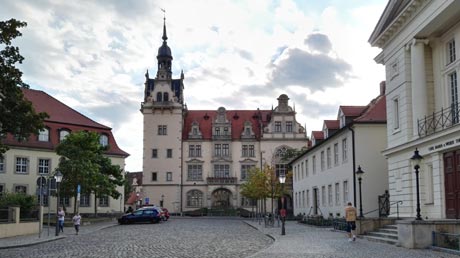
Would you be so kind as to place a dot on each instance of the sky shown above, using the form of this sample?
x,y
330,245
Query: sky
x,y
237,54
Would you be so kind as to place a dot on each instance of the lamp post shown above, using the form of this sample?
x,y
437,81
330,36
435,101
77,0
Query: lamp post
x,y
360,172
282,179
162,200
416,159
58,176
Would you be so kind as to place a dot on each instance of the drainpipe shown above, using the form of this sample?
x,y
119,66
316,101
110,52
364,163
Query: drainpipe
x,y
354,164
181,162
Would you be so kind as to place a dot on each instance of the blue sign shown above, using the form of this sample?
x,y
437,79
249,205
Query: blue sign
x,y
147,200
78,188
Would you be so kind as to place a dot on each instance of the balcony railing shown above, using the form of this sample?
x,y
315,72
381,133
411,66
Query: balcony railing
x,y
438,121
221,180
220,137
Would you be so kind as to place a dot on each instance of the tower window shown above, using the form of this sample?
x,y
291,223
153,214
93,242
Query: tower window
x,y
159,97
165,96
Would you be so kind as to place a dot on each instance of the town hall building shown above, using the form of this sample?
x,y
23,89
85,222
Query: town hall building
x,y
200,158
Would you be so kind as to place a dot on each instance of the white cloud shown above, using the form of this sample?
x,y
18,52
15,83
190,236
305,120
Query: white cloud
x,y
92,55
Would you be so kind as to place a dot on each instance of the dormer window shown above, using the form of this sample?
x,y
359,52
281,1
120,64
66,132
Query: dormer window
x,y
103,140
325,133
217,131
63,134
44,135
247,131
225,130
194,131
159,97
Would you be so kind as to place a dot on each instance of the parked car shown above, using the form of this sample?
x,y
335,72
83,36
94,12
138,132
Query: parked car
x,y
142,215
165,215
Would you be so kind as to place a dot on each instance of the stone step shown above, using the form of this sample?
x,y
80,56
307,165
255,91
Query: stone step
x,y
379,239
383,235
388,231
395,227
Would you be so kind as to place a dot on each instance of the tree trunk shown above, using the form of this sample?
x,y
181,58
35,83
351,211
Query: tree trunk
x,y
95,205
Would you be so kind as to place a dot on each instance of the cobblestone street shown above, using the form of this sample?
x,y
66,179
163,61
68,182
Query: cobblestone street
x,y
210,237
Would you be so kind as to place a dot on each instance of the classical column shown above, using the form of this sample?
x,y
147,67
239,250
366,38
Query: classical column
x,y
418,76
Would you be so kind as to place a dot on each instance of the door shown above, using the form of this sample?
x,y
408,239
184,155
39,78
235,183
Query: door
x,y
452,184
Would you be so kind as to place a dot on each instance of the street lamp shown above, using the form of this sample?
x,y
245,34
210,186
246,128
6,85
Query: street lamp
x,y
359,173
162,200
58,176
282,178
416,159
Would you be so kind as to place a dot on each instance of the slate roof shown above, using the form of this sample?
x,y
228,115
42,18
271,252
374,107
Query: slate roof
x,y
61,117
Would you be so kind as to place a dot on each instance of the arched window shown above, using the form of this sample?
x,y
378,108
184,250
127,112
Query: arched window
x,y
165,96
159,95
103,140
194,198
44,135
63,134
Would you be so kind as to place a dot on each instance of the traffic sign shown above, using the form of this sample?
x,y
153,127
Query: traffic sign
x,y
41,181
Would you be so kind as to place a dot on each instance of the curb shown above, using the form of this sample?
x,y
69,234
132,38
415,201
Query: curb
x,y
32,243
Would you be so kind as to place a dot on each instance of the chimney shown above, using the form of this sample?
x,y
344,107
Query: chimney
x,y
382,88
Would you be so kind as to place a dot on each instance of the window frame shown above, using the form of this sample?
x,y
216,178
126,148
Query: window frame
x,y
43,167
154,177
22,165
44,135
194,172
169,176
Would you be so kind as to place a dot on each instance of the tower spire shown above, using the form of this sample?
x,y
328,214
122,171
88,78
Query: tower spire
x,y
164,25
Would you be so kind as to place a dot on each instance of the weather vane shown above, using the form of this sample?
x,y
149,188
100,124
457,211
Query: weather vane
x,y
164,13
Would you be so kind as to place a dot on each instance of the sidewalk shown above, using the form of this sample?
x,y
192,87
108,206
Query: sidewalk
x,y
28,240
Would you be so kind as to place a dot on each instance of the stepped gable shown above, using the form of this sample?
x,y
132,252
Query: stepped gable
x,y
205,118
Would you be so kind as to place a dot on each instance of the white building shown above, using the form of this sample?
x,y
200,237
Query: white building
x,y
419,41
199,158
324,175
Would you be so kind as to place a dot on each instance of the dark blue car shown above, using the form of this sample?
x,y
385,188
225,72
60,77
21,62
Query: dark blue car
x,y
143,215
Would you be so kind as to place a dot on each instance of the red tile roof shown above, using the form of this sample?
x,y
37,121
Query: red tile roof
x,y
61,117
352,110
205,118
332,124
376,111
318,135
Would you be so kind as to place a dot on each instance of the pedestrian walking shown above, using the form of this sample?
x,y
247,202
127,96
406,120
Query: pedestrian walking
x,y
76,222
61,215
350,218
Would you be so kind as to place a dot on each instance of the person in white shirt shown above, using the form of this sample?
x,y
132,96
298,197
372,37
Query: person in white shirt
x,y
76,222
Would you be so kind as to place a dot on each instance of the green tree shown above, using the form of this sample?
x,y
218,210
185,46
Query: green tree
x,y
17,115
83,163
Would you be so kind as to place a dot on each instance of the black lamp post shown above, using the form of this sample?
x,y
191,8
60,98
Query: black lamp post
x,y
58,177
416,159
162,200
282,178
359,173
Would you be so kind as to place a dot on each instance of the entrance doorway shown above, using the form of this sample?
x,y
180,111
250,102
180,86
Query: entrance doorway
x,y
221,198
452,183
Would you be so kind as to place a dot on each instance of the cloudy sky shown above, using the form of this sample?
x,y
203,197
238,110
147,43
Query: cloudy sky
x,y
239,54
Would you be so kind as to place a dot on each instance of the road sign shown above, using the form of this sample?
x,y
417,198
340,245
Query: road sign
x,y
283,213
147,200
41,181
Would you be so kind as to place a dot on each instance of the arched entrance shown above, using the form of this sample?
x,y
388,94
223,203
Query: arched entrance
x,y
221,198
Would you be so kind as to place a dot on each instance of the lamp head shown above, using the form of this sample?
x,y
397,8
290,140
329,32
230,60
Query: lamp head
x,y
416,159
58,176
359,172
282,178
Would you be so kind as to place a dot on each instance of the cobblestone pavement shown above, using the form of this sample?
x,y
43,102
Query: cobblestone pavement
x,y
208,237
174,238
313,242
